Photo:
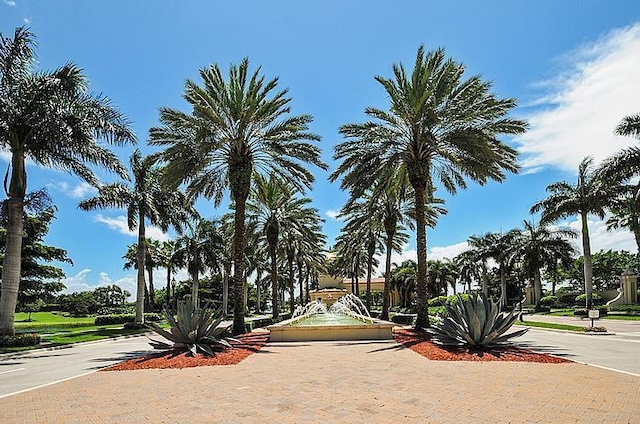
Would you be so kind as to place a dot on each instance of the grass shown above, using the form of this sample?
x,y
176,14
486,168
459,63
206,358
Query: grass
x,y
57,329
550,325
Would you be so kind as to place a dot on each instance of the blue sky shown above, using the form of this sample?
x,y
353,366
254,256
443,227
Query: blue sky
x,y
572,65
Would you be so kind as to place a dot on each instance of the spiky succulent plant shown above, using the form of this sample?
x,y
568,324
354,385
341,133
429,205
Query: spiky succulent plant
x,y
474,321
193,329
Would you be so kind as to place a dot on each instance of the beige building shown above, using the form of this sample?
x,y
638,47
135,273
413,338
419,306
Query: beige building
x,y
331,289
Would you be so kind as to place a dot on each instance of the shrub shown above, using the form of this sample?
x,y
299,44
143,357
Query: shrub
x,y
438,301
568,299
549,300
452,300
117,310
403,319
20,340
582,298
582,312
595,329
632,309
476,322
124,318
437,311
195,330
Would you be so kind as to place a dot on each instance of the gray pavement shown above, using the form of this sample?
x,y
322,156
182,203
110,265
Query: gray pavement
x,y
619,351
41,367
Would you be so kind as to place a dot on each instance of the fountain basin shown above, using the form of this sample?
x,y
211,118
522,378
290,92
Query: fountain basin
x,y
327,327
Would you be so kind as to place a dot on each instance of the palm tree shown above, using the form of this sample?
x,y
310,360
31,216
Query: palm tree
x,y
166,259
481,251
442,273
51,119
539,247
468,268
494,246
403,278
590,195
131,261
439,128
236,129
199,249
620,170
145,200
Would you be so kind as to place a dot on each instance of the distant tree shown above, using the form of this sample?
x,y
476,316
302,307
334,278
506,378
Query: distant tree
x,y
608,266
38,280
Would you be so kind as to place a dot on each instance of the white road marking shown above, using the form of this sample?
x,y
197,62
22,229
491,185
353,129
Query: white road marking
x,y
17,369
47,384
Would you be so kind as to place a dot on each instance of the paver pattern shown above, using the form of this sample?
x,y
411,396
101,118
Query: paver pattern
x,y
337,382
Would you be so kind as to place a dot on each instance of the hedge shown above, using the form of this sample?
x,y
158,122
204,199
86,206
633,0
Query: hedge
x,y
20,340
124,318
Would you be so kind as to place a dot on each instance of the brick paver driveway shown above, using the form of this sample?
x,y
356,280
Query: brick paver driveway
x,y
337,382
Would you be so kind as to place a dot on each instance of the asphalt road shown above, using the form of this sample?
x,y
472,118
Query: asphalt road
x,y
620,351
39,368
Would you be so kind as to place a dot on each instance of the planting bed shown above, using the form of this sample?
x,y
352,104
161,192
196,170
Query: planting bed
x,y
247,344
420,343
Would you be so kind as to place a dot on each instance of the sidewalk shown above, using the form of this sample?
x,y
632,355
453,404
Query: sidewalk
x,y
338,382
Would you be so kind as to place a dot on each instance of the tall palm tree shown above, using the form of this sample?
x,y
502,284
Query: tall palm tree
x,y
51,119
540,247
146,200
442,273
237,128
589,196
481,251
198,250
439,129
131,261
494,246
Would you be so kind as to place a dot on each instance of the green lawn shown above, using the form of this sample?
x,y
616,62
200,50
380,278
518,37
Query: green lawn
x,y
550,325
60,330
613,315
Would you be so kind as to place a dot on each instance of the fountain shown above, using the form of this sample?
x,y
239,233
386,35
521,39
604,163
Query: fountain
x,y
347,319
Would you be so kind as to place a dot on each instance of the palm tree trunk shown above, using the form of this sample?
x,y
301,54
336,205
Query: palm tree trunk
x,y
356,272
503,286
485,280
141,256
370,253
195,287
537,287
168,297
588,269
258,291
422,321
301,281
225,288
292,298
238,263
274,281
152,290
13,245
306,286
386,295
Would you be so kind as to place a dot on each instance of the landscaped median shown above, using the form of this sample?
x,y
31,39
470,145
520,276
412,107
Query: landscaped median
x,y
562,327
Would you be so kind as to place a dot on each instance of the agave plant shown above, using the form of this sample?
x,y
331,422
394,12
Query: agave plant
x,y
194,329
474,321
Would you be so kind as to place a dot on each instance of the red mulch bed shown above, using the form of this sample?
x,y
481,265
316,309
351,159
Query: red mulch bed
x,y
420,343
248,343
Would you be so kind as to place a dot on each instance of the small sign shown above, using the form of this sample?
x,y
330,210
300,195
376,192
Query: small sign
x,y
594,313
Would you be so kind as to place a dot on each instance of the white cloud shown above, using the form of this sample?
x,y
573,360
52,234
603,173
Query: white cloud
x,y
119,224
600,238
11,3
26,20
79,191
578,114
333,214
82,282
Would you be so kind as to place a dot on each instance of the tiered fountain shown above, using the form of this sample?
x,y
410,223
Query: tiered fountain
x,y
347,319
